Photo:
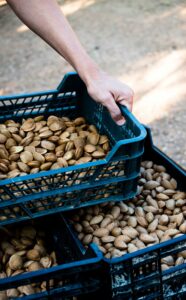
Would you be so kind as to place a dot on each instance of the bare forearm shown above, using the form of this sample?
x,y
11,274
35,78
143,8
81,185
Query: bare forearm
x,y
45,18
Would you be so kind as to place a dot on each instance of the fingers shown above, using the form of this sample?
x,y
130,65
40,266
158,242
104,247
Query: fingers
x,y
128,101
114,110
109,92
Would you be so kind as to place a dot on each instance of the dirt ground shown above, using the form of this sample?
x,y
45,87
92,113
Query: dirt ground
x,y
139,42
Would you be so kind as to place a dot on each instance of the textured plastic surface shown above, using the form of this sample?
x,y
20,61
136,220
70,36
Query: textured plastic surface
x,y
19,196
138,276
32,207
77,272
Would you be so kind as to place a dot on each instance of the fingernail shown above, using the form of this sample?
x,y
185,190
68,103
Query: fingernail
x,y
121,122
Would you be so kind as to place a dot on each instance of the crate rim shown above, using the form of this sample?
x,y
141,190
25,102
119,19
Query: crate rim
x,y
168,158
134,254
60,210
179,168
34,275
56,192
145,250
58,90
176,268
127,256
49,173
28,95
111,153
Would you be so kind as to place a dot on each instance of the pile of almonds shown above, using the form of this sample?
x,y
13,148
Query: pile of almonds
x,y
38,145
24,250
156,215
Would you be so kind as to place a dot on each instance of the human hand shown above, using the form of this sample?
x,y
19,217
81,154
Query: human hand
x,y
109,92
101,87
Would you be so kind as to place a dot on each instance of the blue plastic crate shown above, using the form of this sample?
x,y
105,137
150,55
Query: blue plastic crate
x,y
56,202
19,197
77,272
138,276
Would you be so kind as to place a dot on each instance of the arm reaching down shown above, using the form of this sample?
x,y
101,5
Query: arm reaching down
x,y
46,19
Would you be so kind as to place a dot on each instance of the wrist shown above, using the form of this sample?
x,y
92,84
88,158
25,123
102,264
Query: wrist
x,y
89,71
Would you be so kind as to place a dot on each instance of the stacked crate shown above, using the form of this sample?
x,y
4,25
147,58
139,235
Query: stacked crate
x,y
140,274
81,273
36,196
79,185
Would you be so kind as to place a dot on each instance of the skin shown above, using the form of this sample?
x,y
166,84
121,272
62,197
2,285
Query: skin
x,y
45,17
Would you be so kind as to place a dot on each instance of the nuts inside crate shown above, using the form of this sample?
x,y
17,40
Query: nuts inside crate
x,y
24,249
155,215
39,144
40,258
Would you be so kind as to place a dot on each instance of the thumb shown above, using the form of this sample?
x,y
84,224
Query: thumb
x,y
114,111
